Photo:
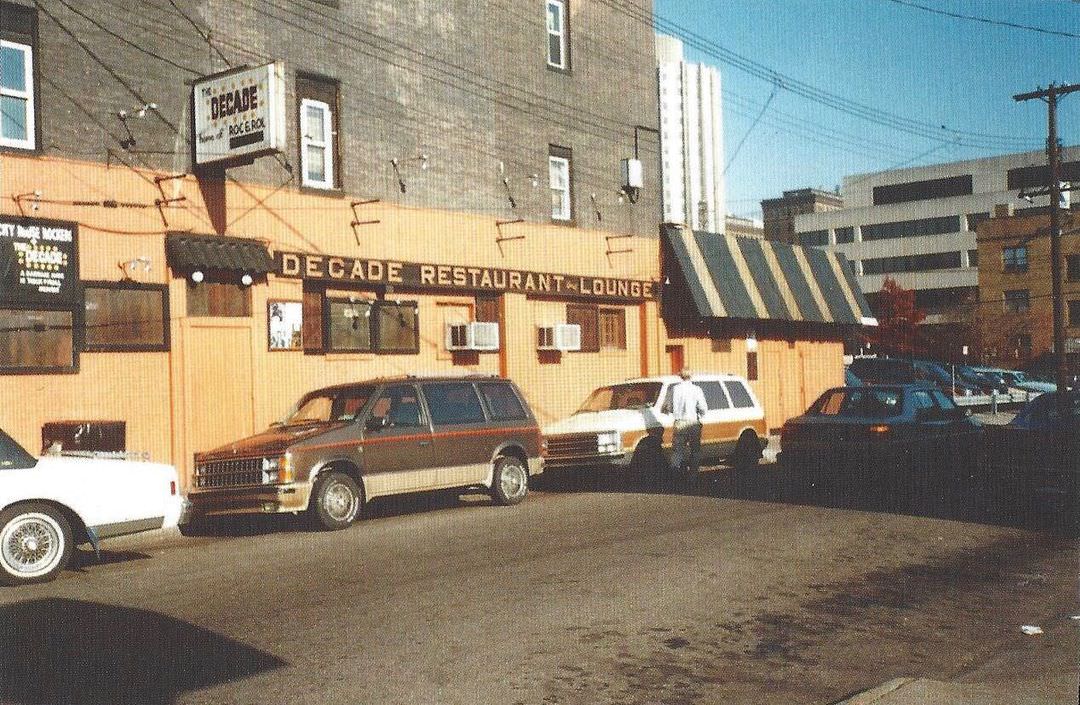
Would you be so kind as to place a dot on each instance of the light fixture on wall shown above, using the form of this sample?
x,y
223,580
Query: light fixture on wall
x,y
509,194
197,276
397,172
246,280
423,159
35,195
133,265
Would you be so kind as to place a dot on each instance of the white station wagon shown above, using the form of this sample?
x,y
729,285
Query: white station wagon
x,y
629,424
49,505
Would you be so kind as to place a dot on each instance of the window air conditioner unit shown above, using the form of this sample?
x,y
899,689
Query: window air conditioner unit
x,y
478,335
561,336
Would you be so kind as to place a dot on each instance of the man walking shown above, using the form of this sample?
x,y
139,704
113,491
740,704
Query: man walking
x,y
687,406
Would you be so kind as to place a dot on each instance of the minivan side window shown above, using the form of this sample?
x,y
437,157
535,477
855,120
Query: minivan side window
x,y
399,406
714,395
453,403
739,396
502,402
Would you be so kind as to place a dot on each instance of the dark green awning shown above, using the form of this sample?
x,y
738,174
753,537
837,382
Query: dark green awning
x,y
217,253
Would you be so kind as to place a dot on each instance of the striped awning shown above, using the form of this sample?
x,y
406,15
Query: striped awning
x,y
217,252
747,278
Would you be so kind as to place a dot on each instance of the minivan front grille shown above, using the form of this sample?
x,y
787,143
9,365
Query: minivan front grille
x,y
574,445
229,473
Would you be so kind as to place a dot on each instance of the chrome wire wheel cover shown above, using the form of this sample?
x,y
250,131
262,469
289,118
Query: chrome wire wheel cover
x,y
513,480
340,502
31,545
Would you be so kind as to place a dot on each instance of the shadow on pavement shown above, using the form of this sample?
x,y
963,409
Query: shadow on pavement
x,y
769,482
86,559
71,651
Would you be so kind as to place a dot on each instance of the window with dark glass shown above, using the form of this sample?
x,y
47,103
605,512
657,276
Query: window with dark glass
x,y
814,238
1074,313
560,182
911,228
1017,300
911,263
973,258
845,235
399,406
714,395
18,110
126,317
1072,268
318,124
588,317
558,54
944,187
396,327
740,398
502,402
751,366
218,297
348,325
453,403
973,220
36,341
1014,259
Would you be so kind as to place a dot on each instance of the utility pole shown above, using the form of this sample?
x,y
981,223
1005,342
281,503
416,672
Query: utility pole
x,y
1053,155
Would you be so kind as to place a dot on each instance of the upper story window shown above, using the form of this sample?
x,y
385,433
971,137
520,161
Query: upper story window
x,y
1014,259
1017,300
318,125
559,178
1072,267
557,54
17,105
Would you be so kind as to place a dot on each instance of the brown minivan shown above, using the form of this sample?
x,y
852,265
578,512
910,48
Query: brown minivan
x,y
344,445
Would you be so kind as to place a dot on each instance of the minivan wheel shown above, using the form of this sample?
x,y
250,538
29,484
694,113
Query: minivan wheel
x,y
335,501
510,481
35,544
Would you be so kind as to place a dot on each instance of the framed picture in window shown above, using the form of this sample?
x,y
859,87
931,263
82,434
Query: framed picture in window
x,y
285,324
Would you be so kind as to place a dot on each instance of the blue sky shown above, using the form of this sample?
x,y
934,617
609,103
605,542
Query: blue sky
x,y
899,60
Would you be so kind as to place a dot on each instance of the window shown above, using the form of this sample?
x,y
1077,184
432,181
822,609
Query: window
x,y
973,220
453,403
502,402
751,365
318,125
911,263
1039,175
1017,300
348,325
612,329
558,55
16,95
36,341
559,178
588,317
218,298
1072,268
486,309
126,317
1074,313
814,238
399,406
1014,259
714,395
973,258
865,402
396,327
911,228
944,187
845,235
740,397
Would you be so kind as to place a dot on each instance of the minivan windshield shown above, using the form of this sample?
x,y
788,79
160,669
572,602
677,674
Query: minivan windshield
x,y
632,395
330,405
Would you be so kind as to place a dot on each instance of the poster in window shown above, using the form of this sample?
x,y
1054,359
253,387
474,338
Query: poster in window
x,y
286,323
39,261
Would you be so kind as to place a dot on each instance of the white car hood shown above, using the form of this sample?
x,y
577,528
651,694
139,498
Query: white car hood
x,y
612,420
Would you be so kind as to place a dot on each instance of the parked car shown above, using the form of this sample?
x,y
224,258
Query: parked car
x,y
345,445
987,384
629,424
1021,381
1035,458
850,379
49,505
884,370
892,439
945,378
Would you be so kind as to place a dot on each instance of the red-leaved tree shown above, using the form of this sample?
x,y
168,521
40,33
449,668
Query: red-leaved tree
x,y
898,320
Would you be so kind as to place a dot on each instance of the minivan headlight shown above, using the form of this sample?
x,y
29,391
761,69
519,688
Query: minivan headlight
x,y
275,470
608,442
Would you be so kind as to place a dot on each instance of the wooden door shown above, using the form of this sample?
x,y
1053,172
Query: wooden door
x,y
676,358
217,385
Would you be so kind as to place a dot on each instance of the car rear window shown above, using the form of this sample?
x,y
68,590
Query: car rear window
x,y
714,395
502,402
453,403
740,398
861,402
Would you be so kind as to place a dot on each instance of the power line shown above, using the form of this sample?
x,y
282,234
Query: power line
x,y
750,129
985,20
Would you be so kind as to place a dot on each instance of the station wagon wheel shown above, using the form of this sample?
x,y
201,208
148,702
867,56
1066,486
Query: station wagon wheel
x,y
335,501
35,544
509,481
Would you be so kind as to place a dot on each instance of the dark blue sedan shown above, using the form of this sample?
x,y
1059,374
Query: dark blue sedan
x,y
896,441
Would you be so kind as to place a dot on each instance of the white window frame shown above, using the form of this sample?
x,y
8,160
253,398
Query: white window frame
x,y
559,32
327,144
28,95
560,163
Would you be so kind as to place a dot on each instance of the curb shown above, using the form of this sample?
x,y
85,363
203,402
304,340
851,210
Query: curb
x,y
876,693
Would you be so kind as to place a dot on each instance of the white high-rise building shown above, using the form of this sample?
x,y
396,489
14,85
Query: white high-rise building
x,y
691,139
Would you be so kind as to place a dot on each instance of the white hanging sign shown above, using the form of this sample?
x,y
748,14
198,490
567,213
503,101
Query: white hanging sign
x,y
240,113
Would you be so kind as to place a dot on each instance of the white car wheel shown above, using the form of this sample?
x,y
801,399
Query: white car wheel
x,y
35,544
